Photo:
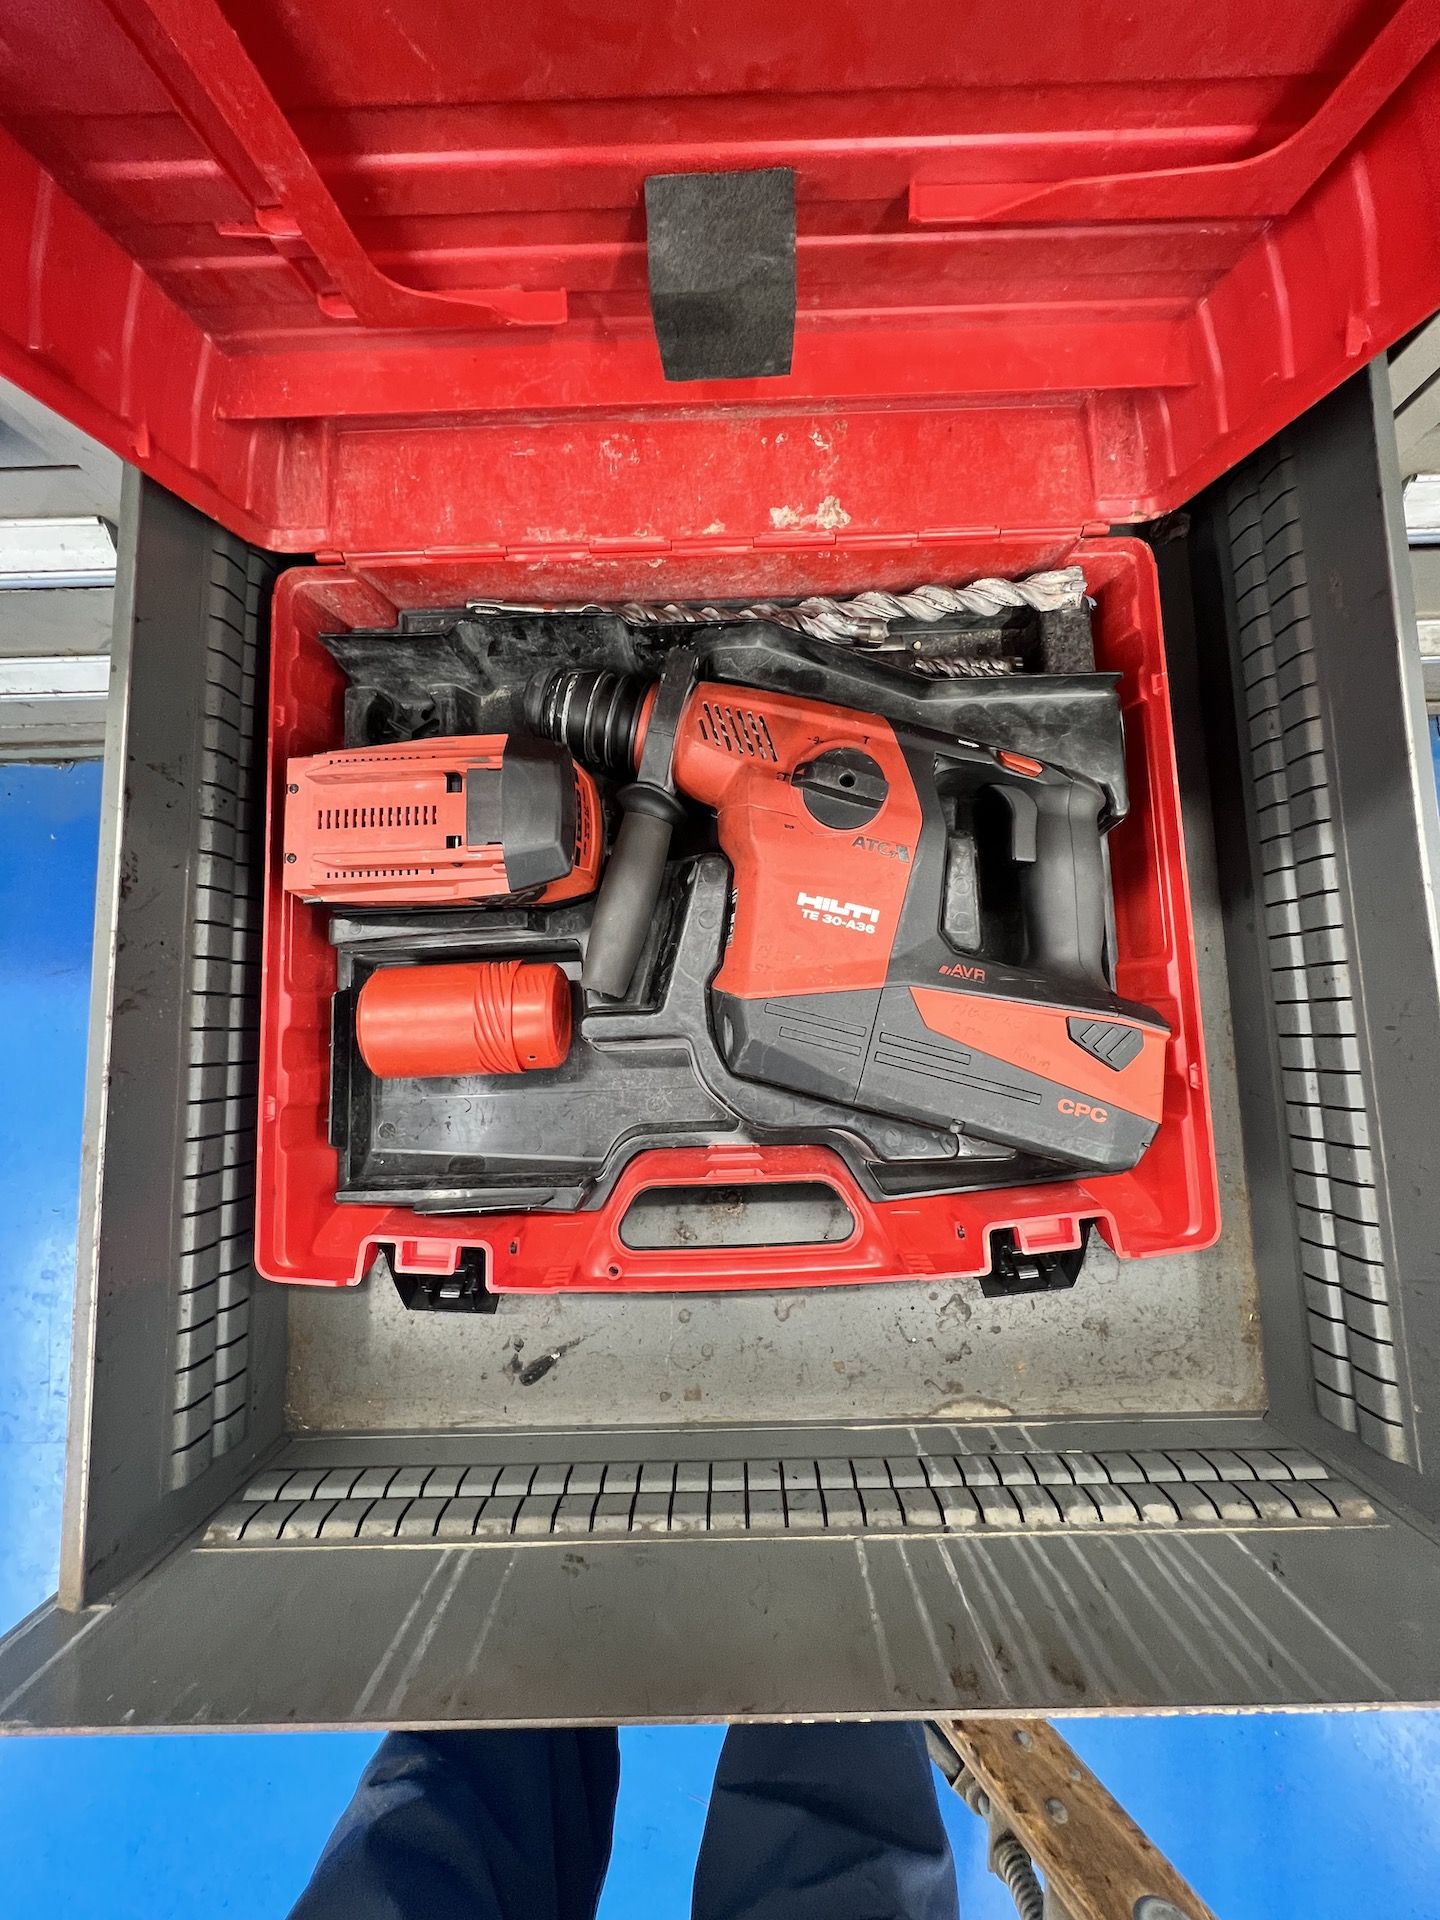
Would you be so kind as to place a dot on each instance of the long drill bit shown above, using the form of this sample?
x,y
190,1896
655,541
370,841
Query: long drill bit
x,y
863,621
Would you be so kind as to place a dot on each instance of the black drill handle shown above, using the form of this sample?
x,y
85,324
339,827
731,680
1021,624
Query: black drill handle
x,y
1055,842
1062,889
600,716
629,892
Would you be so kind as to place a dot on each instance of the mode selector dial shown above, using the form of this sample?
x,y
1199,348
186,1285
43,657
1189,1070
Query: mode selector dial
x,y
842,787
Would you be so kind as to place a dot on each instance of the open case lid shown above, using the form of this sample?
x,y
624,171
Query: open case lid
x,y
362,279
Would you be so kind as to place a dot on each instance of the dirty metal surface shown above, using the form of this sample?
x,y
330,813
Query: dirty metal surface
x,y
441,1633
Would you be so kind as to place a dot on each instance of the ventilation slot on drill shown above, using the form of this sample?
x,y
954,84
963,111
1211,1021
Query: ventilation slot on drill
x,y
736,731
405,754
584,827
370,819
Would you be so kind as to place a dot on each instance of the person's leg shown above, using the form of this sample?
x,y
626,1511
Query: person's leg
x,y
473,1826
825,1823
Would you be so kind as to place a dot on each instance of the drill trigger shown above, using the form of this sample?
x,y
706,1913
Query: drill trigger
x,y
1023,817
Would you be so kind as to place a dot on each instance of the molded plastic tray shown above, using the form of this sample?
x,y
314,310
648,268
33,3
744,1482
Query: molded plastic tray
x,y
1164,1205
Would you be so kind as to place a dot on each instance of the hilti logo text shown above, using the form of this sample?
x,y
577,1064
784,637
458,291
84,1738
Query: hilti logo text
x,y
961,972
826,912
1082,1110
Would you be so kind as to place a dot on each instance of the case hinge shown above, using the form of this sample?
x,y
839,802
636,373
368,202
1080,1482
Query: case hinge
x,y
793,540
639,545
634,547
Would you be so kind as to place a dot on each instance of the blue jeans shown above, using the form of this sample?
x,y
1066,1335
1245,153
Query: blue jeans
x,y
805,1823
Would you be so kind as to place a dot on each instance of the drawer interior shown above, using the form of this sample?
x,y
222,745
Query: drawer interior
x,y
1268,1382
1175,1334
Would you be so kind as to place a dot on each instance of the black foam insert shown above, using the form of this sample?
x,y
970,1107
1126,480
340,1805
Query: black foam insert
x,y
722,272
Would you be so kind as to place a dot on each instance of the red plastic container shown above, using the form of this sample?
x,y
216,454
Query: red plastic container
x,y
1166,1203
486,1016
370,285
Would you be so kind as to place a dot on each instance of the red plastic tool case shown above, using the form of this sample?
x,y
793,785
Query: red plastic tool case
x,y
370,285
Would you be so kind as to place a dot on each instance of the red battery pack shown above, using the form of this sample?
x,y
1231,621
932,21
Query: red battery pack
x,y
441,823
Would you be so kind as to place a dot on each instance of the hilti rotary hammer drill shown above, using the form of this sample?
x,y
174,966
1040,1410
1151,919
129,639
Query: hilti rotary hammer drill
x,y
838,979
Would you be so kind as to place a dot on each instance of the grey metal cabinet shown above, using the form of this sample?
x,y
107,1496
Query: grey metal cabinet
x,y
1199,1482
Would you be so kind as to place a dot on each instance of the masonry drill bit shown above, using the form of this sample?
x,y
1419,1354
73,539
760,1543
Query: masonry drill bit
x,y
937,666
864,620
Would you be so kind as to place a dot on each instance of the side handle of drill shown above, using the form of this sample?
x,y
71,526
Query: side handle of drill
x,y
605,717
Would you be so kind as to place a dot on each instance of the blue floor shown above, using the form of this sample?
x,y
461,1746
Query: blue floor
x,y
1327,1815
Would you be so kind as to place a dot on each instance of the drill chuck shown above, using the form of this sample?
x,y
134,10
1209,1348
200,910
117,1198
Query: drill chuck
x,y
597,714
